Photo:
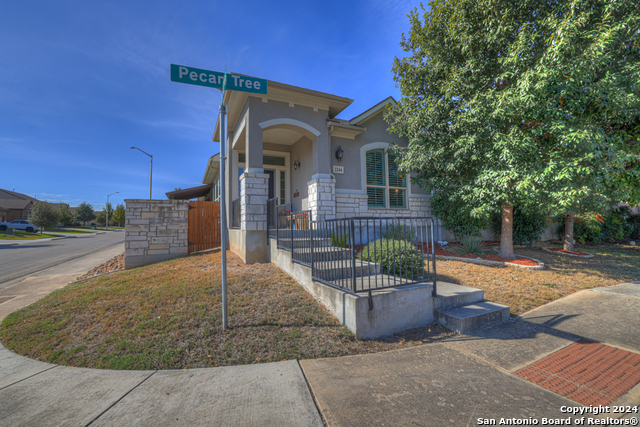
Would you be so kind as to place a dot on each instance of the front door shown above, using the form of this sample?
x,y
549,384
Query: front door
x,y
272,182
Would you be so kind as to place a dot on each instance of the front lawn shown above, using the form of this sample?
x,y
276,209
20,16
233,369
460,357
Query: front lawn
x,y
524,290
25,236
168,316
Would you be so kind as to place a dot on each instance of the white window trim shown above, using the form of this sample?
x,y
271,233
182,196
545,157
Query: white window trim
x,y
287,157
363,175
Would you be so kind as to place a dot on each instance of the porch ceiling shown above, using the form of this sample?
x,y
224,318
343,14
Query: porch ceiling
x,y
281,136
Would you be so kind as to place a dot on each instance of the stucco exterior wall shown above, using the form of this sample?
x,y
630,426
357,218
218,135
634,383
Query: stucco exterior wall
x,y
301,152
155,230
376,131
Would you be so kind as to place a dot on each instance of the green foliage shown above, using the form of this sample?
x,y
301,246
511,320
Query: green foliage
x,y
472,245
525,103
528,226
396,257
399,232
118,214
455,215
615,226
340,240
84,212
44,215
101,219
65,215
634,222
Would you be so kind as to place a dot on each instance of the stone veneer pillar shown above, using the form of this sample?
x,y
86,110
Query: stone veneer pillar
x,y
322,198
250,242
155,230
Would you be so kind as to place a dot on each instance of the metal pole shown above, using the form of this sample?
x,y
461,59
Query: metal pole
x,y
106,226
223,216
150,177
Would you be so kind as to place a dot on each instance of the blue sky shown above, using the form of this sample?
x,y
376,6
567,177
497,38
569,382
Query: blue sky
x,y
81,82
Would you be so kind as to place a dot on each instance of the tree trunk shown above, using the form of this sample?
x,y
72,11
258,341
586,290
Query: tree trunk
x,y
506,236
567,240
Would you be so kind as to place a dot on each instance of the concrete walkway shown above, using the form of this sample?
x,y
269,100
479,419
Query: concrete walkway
x,y
456,382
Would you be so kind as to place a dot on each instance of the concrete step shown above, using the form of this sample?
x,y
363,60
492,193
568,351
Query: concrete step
x,y
472,316
331,271
328,253
451,295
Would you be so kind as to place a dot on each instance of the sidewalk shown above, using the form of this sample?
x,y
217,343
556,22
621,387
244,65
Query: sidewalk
x,y
457,382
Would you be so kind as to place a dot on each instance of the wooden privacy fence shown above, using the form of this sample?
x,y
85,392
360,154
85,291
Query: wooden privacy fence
x,y
204,226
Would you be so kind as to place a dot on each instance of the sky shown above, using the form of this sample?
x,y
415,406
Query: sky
x,y
82,82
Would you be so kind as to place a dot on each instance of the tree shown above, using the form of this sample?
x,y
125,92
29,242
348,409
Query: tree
x,y
511,103
102,216
66,217
101,219
44,215
84,212
119,214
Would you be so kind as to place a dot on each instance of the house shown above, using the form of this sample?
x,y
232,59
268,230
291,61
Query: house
x,y
14,205
290,145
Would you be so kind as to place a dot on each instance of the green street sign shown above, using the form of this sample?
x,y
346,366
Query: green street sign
x,y
215,79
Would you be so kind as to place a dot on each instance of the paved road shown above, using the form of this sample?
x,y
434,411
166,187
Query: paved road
x,y
20,261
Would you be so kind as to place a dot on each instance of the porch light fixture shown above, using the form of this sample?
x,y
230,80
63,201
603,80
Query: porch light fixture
x,y
339,153
296,165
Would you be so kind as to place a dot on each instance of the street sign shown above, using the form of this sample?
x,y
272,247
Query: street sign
x,y
215,79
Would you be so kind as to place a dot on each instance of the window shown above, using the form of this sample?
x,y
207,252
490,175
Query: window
x,y
386,186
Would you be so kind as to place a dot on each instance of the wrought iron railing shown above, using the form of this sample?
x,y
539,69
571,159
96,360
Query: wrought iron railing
x,y
235,213
272,217
360,254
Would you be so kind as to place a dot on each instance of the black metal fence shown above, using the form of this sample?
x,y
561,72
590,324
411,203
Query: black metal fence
x,y
363,253
235,213
272,216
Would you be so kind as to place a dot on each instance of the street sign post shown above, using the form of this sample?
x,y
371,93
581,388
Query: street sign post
x,y
222,81
214,79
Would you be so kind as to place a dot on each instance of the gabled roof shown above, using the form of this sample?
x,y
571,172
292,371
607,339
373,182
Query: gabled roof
x,y
361,118
15,203
212,170
189,193
296,95
12,195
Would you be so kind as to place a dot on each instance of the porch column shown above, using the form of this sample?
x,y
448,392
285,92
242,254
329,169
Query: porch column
x,y
253,146
322,188
251,243
322,198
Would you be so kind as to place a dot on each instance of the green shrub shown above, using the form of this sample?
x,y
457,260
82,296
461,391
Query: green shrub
x,y
634,222
528,226
399,232
396,257
615,226
472,245
455,216
340,240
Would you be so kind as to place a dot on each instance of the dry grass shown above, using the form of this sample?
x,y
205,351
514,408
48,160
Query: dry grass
x,y
168,316
524,290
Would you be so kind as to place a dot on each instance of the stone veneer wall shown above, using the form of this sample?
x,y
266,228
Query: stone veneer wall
x,y
349,205
322,198
155,230
254,191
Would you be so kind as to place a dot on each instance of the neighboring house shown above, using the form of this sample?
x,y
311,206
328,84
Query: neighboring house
x,y
15,205
290,145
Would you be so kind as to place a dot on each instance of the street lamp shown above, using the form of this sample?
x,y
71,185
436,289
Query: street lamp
x,y
106,226
150,173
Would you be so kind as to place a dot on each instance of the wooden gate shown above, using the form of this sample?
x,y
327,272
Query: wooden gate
x,y
204,226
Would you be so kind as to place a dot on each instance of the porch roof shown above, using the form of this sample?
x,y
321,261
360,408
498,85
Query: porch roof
x,y
189,193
